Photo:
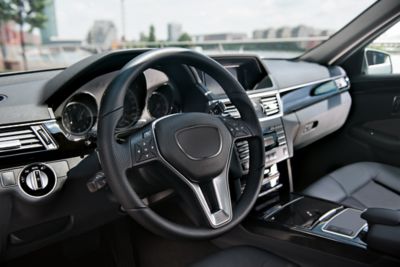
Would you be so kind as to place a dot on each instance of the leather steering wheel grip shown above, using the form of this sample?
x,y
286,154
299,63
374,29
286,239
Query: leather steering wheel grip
x,y
115,157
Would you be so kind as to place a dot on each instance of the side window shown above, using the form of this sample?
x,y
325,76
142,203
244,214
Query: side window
x,y
382,56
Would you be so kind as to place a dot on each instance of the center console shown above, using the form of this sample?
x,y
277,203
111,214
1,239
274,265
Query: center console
x,y
296,217
279,213
318,218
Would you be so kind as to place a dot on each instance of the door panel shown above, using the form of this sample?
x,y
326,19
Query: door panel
x,y
375,120
371,132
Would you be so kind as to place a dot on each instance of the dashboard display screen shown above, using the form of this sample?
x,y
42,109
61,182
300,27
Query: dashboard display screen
x,y
214,86
247,70
233,70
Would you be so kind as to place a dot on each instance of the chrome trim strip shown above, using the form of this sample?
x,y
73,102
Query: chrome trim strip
x,y
273,189
290,88
282,207
12,144
27,124
53,145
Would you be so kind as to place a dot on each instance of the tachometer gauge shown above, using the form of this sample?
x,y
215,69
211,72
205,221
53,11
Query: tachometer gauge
x,y
159,105
132,111
77,118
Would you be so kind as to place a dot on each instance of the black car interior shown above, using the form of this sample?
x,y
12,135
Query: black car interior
x,y
228,160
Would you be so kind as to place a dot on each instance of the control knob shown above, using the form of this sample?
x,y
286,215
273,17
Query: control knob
x,y
37,180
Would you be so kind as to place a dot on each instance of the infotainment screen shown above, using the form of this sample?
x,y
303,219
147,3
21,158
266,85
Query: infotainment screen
x,y
233,70
213,86
247,70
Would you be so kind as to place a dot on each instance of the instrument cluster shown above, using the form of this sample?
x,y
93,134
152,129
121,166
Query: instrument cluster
x,y
143,103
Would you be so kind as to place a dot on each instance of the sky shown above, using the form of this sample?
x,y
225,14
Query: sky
x,y
75,17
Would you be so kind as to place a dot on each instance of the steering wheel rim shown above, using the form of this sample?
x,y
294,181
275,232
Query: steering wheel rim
x,y
115,157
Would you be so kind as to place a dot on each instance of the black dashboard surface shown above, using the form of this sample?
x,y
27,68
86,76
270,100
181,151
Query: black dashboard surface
x,y
23,100
29,95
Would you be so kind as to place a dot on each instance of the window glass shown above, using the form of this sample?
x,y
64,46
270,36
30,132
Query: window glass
x,y
44,34
382,56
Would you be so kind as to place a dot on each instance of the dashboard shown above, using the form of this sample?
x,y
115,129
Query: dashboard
x,y
49,135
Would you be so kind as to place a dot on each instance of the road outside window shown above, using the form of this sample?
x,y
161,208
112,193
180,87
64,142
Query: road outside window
x,y
45,34
382,56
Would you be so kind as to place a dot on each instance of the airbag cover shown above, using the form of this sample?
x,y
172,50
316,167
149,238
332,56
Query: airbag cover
x,y
208,142
195,144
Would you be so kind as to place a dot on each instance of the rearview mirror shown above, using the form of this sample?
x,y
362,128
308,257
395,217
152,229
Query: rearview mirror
x,y
377,62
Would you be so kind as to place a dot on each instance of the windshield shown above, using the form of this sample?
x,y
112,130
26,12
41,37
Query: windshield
x,y
44,34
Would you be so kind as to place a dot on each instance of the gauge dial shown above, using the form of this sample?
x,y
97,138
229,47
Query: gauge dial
x,y
77,118
132,111
159,105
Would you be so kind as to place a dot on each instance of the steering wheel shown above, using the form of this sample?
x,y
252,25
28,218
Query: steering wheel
x,y
195,147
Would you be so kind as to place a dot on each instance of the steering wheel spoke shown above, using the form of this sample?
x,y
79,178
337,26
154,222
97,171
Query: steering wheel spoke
x,y
215,200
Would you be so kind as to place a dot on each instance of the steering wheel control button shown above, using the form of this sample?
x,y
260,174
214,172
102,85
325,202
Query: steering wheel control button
x,y
37,180
8,179
145,150
237,127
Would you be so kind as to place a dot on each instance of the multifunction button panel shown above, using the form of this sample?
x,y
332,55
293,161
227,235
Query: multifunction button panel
x,y
237,127
145,149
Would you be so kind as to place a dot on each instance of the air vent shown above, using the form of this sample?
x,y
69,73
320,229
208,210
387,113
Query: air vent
x,y
243,151
270,105
21,139
280,133
231,110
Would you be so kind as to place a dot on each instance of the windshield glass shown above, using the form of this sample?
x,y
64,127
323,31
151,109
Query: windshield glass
x,y
44,34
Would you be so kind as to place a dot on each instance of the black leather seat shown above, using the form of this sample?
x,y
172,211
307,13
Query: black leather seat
x,y
360,185
243,256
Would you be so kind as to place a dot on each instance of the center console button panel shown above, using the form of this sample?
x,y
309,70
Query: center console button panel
x,y
276,150
268,107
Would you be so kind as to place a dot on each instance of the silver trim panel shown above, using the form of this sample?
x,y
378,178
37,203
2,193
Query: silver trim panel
x,y
342,235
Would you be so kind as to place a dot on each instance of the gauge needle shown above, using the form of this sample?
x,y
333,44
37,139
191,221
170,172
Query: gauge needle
x,y
81,116
71,118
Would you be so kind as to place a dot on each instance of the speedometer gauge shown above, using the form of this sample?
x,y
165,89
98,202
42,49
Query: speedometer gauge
x,y
131,113
77,118
133,104
159,105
